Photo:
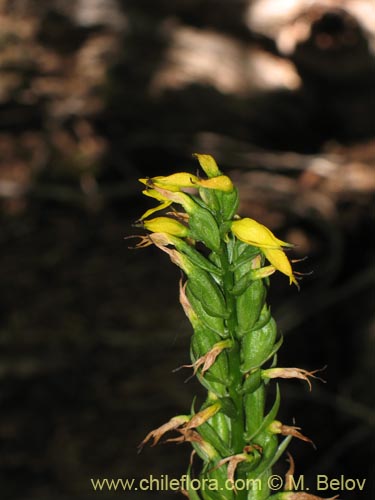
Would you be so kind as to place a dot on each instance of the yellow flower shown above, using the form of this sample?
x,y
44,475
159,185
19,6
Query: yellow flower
x,y
172,182
166,225
254,233
176,182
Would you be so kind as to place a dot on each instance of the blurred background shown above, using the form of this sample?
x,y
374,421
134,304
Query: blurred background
x,y
97,93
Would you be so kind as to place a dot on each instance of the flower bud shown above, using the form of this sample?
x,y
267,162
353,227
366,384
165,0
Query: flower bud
x,y
257,345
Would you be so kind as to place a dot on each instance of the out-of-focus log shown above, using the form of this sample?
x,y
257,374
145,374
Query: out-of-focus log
x,y
296,183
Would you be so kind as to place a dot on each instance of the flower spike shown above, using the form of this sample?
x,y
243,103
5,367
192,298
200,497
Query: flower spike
x,y
226,263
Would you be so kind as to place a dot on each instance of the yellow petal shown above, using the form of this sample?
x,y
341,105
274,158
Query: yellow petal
x,y
280,261
177,197
175,182
153,193
221,183
169,197
145,181
166,225
252,232
151,211
208,165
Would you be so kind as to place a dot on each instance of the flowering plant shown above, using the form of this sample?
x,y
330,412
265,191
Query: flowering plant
x,y
227,262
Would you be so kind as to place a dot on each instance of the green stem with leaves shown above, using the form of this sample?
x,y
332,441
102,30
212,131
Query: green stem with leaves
x,y
227,262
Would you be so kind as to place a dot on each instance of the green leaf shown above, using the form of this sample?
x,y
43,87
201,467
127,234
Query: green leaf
x,y
228,202
245,253
210,198
249,306
280,450
228,407
203,227
193,495
242,284
252,382
275,348
270,417
257,346
214,323
267,459
210,435
198,259
203,286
